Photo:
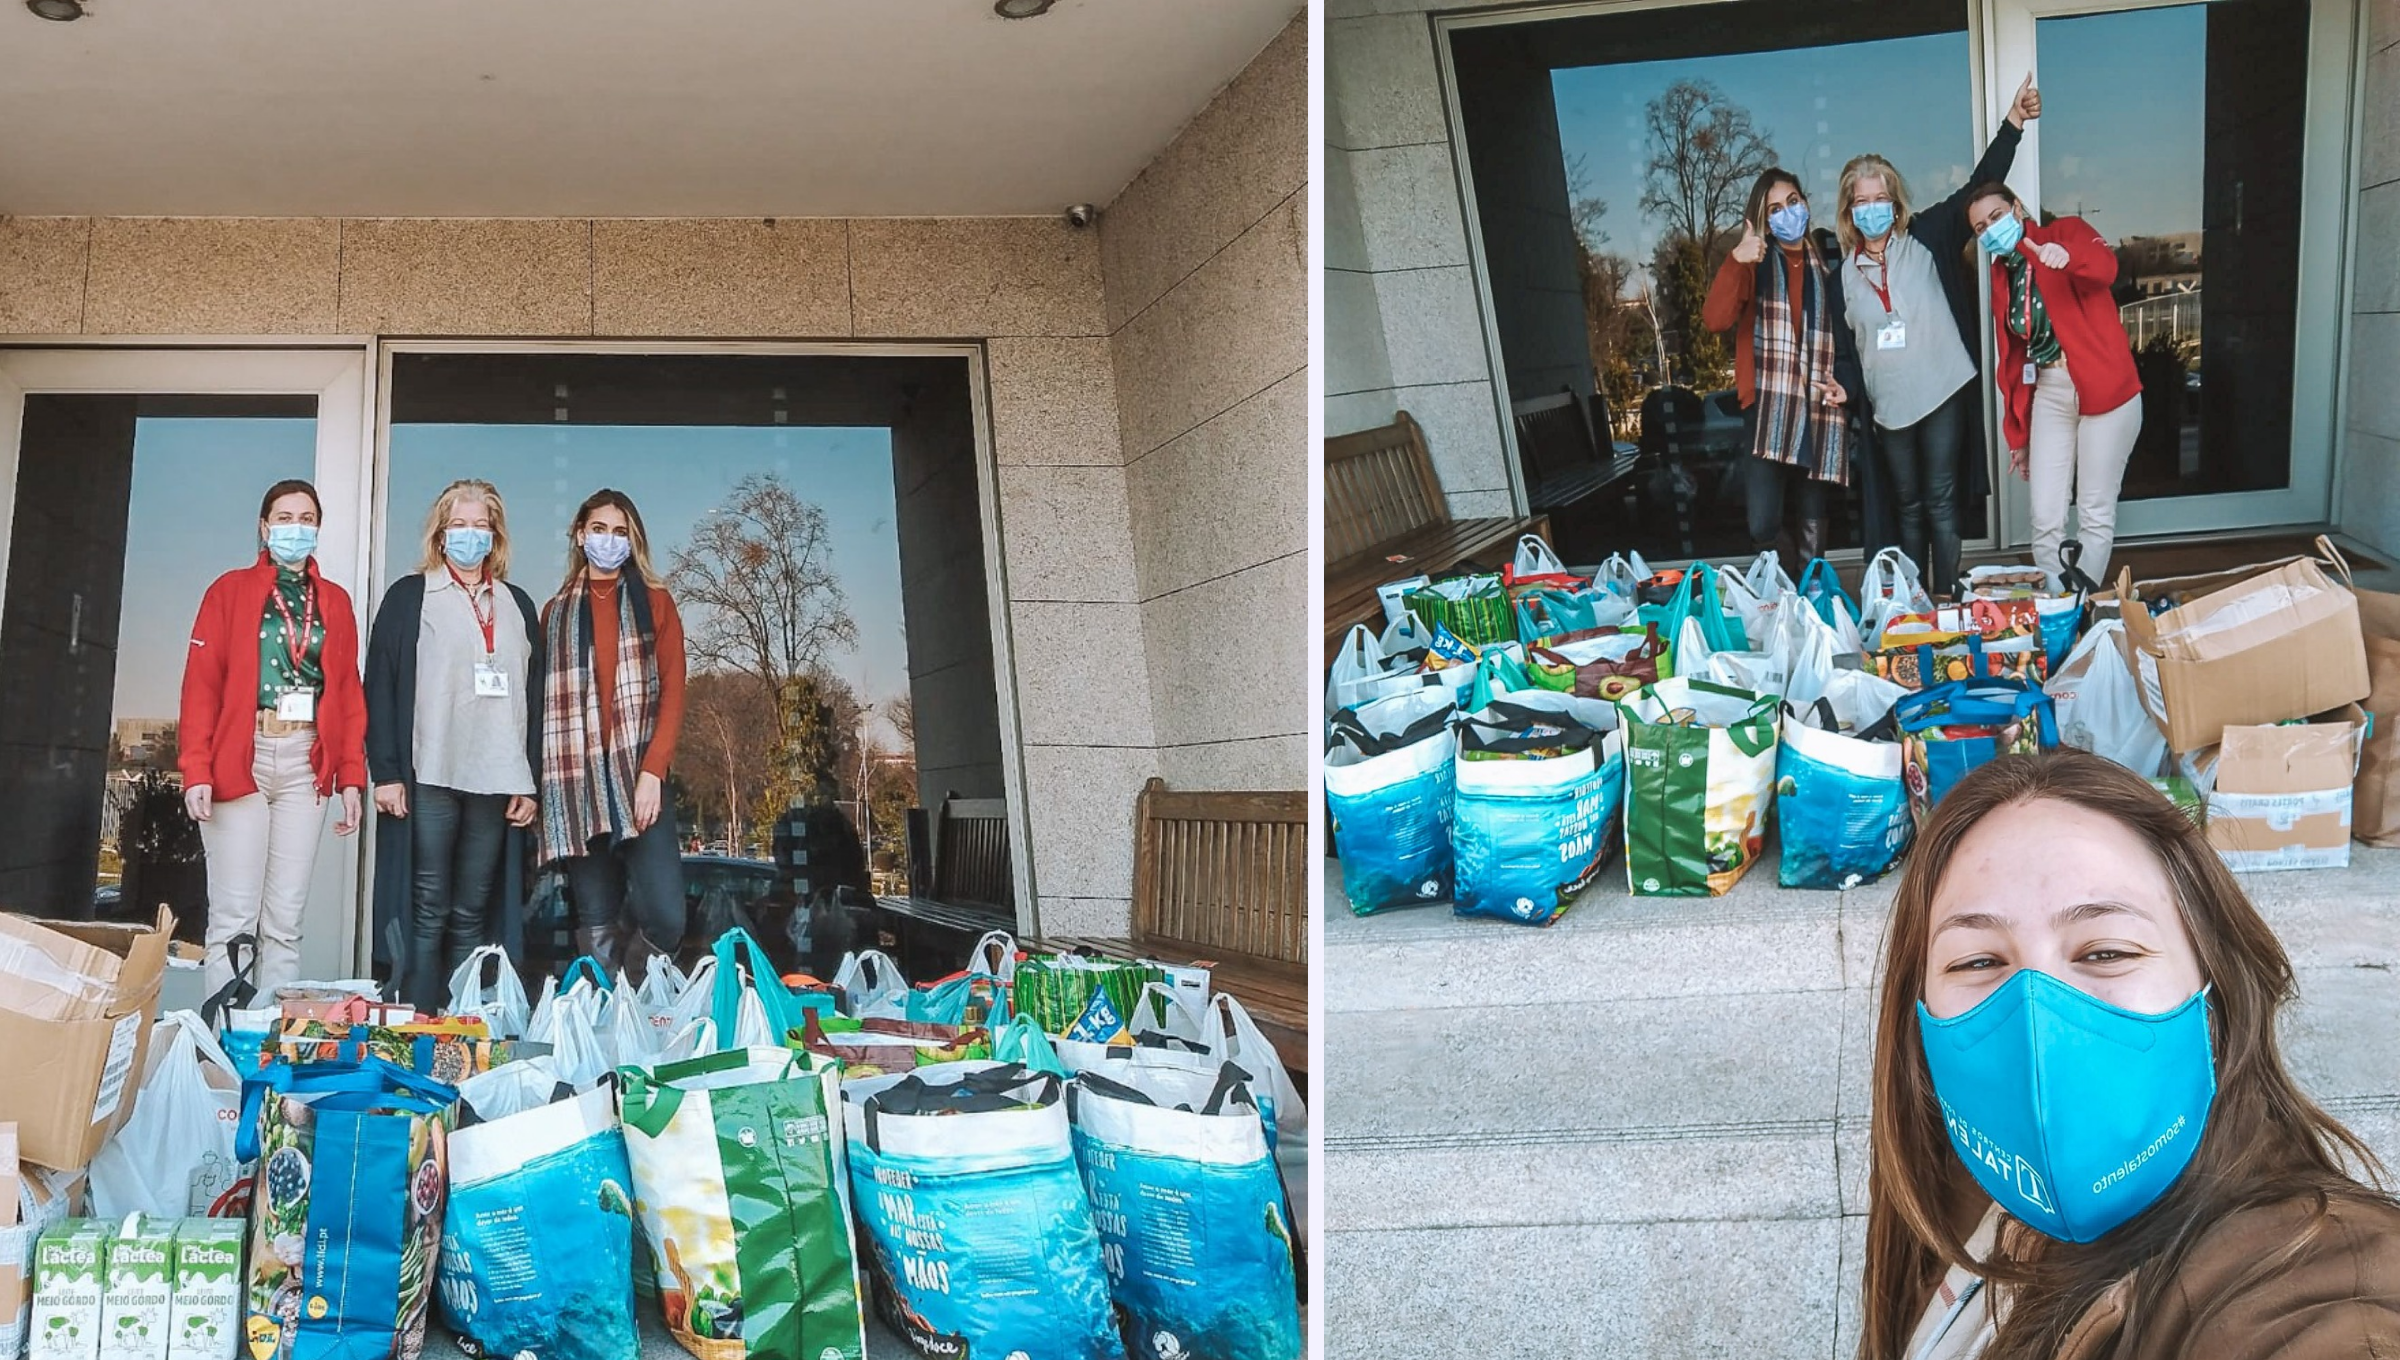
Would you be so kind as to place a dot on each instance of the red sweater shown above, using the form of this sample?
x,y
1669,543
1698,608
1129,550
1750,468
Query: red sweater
x,y
220,687
2083,314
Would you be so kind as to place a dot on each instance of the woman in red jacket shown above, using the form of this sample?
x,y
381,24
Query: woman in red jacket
x,y
270,729
2070,398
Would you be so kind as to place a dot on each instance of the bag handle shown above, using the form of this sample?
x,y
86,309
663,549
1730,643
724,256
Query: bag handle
x,y
732,949
239,990
586,966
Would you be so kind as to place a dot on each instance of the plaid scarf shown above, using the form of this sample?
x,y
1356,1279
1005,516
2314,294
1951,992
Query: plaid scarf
x,y
588,770
1788,360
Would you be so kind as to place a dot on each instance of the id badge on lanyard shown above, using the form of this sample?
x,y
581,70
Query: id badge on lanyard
x,y
491,682
296,705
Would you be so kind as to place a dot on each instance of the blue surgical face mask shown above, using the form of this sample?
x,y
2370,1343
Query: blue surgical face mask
x,y
291,544
1872,218
2074,1115
2002,236
467,547
1789,222
606,551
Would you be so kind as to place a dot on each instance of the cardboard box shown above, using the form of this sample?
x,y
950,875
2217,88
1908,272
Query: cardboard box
x,y
2282,796
2279,645
76,998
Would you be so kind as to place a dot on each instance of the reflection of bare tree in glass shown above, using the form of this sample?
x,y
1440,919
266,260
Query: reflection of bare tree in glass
x,y
1616,326
1705,151
758,582
727,754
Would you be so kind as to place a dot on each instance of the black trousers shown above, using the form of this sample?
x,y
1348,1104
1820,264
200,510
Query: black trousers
x,y
1764,481
1924,460
456,841
640,879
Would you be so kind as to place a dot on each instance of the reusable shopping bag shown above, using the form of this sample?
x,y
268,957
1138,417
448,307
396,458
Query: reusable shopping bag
x,y
1840,794
174,1155
1474,607
872,1048
346,1223
2098,704
1389,795
978,1228
1061,993
1539,777
500,1003
448,1049
537,1244
1699,783
1606,665
739,1186
1952,728
1194,1227
1916,658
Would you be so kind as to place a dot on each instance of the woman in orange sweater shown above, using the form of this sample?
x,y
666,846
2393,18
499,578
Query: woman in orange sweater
x,y
612,709
1795,363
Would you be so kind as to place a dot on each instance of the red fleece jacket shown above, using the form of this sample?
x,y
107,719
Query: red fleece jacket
x,y
220,687
2084,315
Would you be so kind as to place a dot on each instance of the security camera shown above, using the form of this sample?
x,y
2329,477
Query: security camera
x,y
1082,215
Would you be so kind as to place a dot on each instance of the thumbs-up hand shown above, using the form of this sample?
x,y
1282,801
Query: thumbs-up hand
x,y
1751,248
2028,104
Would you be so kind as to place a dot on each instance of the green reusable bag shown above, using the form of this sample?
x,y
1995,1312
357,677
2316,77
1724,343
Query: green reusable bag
x,y
1699,783
1474,608
739,1188
1056,991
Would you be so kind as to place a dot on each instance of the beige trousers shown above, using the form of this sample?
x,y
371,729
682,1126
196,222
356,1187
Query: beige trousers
x,y
2078,459
261,850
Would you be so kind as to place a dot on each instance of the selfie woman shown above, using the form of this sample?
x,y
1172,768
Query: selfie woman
x,y
2070,397
453,736
273,723
613,707
1910,299
2085,1141
1795,366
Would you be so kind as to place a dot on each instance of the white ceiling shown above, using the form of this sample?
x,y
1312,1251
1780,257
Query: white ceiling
x,y
621,108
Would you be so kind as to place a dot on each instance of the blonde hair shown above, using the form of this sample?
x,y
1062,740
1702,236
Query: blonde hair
x,y
438,521
1862,167
640,537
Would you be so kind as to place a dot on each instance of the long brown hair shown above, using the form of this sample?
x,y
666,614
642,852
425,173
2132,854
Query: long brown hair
x,y
639,563
2265,1143
1755,212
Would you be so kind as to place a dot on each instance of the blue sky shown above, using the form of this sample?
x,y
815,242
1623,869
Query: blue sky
x,y
196,484
2121,92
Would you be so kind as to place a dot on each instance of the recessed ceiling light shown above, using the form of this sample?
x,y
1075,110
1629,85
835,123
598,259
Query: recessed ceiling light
x,y
1021,9
63,10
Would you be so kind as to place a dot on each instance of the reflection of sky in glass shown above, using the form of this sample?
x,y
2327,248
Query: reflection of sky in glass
x,y
196,484
2122,93
2127,101
1905,98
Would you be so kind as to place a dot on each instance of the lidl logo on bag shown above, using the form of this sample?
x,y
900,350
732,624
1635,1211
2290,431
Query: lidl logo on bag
x,y
1647,758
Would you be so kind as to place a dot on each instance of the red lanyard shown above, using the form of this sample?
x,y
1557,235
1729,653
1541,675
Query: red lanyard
x,y
1883,290
296,642
486,612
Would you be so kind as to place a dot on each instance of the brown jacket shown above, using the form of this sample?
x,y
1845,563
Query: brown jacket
x,y
2339,1299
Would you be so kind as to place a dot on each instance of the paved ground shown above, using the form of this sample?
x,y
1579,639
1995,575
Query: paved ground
x,y
1642,1131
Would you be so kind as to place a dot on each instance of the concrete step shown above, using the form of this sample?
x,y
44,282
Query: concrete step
x,y
1643,1131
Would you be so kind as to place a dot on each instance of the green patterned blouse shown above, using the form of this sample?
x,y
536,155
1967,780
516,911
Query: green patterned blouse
x,y
2026,314
277,674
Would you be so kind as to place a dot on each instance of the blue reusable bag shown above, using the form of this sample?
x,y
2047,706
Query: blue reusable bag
x,y
978,1229
1388,786
537,1246
1531,830
1194,1223
1841,797
1951,728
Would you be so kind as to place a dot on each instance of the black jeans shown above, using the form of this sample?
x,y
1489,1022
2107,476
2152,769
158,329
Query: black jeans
x,y
456,841
1923,460
1764,480
640,878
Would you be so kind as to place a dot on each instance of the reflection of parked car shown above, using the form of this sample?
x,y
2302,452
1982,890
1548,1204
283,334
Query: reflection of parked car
x,y
1721,424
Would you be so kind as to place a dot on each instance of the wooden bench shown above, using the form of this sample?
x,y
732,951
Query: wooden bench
x,y
1563,455
1386,518
972,892
1222,879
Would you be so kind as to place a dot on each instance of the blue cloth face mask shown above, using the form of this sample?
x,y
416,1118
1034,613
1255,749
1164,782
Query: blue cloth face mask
x,y
291,544
467,547
606,551
1789,222
2002,236
2073,1114
1872,218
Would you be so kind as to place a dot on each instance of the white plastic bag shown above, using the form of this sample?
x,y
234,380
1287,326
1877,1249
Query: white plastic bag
x,y
1766,577
632,1038
2099,706
871,986
1806,645
1359,675
1891,577
1622,574
1535,557
1233,1037
500,1002
174,1156
1394,597
573,1025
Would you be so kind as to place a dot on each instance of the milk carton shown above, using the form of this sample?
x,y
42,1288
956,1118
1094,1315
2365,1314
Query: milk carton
x,y
69,1263
207,1315
137,1290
